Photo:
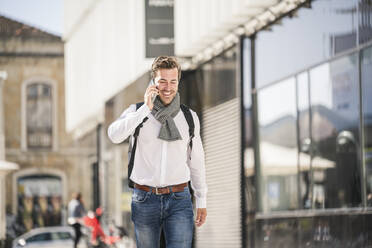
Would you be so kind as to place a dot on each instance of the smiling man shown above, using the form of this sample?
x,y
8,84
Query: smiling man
x,y
166,158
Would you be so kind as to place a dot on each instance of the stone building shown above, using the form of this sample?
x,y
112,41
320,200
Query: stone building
x,y
51,164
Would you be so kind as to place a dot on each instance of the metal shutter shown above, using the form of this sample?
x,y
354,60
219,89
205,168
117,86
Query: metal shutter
x,y
221,140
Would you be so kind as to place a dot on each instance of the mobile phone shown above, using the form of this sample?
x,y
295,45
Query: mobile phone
x,y
153,95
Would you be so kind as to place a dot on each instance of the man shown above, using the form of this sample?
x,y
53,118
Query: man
x,y
76,212
164,162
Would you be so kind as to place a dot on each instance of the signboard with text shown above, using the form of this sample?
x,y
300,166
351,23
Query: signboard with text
x,y
159,27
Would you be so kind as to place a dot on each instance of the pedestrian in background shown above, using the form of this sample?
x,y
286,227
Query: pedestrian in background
x,y
166,158
76,212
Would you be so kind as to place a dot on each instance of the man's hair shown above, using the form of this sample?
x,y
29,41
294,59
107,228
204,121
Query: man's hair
x,y
165,62
76,196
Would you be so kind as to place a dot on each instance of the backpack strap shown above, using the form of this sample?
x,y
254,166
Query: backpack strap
x,y
138,105
132,151
190,121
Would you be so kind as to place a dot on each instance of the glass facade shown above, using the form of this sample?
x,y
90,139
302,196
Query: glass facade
x,y
336,167
303,140
212,84
278,153
328,28
309,167
366,72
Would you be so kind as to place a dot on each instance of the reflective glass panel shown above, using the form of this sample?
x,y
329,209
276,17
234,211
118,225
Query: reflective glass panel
x,y
304,156
311,36
365,21
367,117
278,146
219,79
335,134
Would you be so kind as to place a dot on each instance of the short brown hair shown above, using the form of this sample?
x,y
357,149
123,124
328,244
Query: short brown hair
x,y
165,62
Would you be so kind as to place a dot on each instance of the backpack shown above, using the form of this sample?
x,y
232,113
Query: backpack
x,y
132,149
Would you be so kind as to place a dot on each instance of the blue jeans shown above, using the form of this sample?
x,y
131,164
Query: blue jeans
x,y
173,212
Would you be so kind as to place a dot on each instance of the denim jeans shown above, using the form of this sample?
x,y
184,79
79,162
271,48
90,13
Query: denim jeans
x,y
173,212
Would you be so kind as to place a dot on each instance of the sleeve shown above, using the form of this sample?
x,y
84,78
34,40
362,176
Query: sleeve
x,y
125,125
197,167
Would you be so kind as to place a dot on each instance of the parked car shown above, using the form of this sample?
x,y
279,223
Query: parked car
x,y
48,237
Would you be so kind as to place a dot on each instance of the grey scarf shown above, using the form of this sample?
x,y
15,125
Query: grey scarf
x,y
165,115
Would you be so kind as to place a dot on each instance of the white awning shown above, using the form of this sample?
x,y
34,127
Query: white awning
x,y
8,166
216,26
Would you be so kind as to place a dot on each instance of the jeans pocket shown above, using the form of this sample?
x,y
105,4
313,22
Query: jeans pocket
x,y
182,195
139,195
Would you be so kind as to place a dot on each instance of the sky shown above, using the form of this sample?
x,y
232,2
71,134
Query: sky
x,y
44,14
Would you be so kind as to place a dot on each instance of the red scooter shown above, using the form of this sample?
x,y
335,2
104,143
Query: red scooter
x,y
98,237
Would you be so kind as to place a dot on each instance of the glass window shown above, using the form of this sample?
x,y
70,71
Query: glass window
x,y
311,36
335,134
278,146
39,238
219,79
39,116
304,141
367,117
61,236
248,146
365,21
39,201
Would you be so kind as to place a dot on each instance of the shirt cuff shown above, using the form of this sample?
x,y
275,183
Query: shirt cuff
x,y
200,202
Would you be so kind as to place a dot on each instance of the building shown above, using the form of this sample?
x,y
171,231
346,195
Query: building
x,y
282,90
51,166
5,167
307,96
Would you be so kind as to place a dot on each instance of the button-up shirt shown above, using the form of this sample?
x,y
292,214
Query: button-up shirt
x,y
160,163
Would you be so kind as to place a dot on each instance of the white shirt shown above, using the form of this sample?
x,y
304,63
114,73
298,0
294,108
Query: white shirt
x,y
160,163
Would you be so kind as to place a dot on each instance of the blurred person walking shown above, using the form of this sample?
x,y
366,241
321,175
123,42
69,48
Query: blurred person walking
x,y
76,212
166,154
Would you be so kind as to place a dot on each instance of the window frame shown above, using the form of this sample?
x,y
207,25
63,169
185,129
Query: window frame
x,y
53,84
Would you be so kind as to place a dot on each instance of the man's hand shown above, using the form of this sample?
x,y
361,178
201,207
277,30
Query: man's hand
x,y
148,95
201,215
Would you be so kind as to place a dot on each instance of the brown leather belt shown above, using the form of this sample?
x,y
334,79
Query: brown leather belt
x,y
163,190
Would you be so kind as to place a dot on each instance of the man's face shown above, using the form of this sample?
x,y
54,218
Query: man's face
x,y
167,82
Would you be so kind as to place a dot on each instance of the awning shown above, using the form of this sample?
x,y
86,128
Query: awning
x,y
246,18
8,166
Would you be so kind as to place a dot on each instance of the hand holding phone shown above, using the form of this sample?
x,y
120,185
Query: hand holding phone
x,y
150,94
153,95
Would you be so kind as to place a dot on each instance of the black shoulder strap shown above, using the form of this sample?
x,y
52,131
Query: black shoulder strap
x,y
132,150
190,121
138,105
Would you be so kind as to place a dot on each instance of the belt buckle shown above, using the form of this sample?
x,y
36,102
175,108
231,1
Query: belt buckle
x,y
156,191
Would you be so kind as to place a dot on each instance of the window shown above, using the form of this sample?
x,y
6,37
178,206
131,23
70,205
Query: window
x,y
39,115
367,118
278,146
305,40
61,236
365,21
219,79
304,140
335,134
39,238
39,201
